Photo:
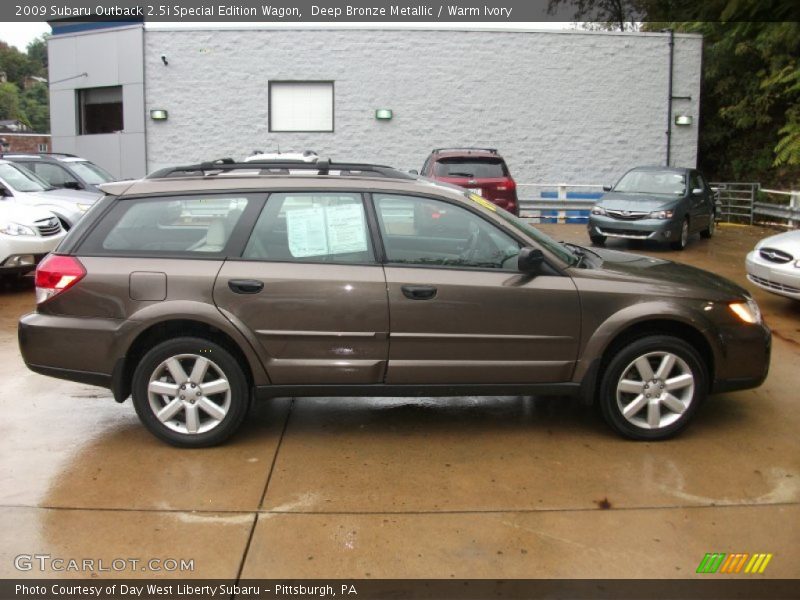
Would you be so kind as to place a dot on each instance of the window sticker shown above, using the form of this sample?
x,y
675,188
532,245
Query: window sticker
x,y
305,228
345,228
325,230
482,201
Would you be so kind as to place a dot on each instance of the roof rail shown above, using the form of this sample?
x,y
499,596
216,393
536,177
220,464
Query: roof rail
x,y
22,153
468,148
321,166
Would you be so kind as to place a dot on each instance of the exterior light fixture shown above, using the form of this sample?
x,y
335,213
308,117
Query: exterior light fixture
x,y
683,120
383,114
158,114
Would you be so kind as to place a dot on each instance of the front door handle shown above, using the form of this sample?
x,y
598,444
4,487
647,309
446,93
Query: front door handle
x,y
245,286
419,292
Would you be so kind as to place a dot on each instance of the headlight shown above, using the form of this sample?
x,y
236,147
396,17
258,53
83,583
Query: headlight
x,y
747,311
598,210
661,214
16,229
83,207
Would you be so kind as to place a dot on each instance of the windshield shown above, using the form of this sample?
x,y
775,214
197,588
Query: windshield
x,y
475,168
21,179
652,182
553,246
91,173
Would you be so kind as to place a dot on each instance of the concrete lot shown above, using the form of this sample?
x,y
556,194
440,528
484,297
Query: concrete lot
x,y
511,487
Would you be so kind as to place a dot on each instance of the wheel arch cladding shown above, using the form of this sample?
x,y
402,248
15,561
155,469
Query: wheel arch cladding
x,y
169,329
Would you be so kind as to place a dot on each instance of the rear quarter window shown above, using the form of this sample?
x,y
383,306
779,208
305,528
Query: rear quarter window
x,y
185,225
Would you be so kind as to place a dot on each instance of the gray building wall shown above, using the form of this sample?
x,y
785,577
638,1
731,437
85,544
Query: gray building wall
x,y
107,58
570,106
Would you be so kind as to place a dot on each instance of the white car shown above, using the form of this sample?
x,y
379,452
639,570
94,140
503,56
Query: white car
x,y
23,187
27,234
774,264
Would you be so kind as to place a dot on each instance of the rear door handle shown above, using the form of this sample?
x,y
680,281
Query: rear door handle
x,y
419,292
245,286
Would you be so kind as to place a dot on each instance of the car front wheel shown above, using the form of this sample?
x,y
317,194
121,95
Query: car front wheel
x,y
190,392
681,242
652,387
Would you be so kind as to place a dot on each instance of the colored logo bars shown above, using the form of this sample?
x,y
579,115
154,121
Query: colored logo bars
x,y
719,562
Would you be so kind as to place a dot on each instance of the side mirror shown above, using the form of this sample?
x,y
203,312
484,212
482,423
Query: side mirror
x,y
73,185
414,172
606,188
697,192
530,260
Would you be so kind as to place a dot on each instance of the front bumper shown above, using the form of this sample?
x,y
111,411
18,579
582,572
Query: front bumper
x,y
744,359
14,247
662,230
781,279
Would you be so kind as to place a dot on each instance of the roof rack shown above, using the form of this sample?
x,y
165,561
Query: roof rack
x,y
322,166
468,148
20,153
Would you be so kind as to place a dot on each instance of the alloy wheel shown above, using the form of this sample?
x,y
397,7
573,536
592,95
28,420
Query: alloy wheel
x,y
189,394
655,389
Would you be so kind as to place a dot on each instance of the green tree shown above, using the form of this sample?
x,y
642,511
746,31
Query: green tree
x,y
15,64
9,101
35,106
37,54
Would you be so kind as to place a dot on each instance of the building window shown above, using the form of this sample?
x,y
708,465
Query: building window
x,y
42,148
301,106
100,110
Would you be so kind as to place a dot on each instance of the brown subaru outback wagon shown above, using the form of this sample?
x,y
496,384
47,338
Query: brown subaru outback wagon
x,y
203,287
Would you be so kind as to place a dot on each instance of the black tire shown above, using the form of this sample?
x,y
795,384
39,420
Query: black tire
x,y
622,370
708,232
598,240
683,239
233,402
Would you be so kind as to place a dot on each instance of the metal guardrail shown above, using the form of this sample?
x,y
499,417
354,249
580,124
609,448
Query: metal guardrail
x,y
790,212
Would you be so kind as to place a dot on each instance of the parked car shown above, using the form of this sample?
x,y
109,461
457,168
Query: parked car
x,y
482,171
305,156
27,234
774,264
664,204
63,170
370,282
20,185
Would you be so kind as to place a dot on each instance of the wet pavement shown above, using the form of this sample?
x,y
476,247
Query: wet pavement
x,y
506,487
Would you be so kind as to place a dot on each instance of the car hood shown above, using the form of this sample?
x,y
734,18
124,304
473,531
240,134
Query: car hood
x,y
669,277
21,214
636,202
788,242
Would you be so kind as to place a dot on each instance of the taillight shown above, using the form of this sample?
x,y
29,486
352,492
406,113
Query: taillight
x,y
508,185
56,274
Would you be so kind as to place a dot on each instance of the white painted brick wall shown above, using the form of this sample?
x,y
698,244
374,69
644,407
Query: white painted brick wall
x,y
560,106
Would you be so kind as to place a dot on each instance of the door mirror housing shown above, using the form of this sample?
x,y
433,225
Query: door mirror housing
x,y
530,260
73,185
413,172
606,188
697,192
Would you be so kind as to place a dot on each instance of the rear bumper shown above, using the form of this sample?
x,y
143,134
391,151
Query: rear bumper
x,y
74,348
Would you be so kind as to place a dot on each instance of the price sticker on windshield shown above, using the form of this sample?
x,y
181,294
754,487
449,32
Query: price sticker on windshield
x,y
482,201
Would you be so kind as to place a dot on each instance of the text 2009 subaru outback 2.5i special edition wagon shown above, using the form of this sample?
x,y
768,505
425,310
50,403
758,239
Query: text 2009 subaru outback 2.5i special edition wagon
x,y
202,287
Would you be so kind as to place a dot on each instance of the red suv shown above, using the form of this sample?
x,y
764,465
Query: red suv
x,y
480,170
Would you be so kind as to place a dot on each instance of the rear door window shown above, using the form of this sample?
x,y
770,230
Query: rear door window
x,y
193,225
474,168
312,227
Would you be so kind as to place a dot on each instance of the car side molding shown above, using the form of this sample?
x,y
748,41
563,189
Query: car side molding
x,y
418,390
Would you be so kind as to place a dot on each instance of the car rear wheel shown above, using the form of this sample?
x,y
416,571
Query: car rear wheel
x,y
598,240
712,226
652,387
190,392
680,244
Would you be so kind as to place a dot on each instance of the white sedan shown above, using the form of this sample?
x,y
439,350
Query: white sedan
x,y
774,264
27,234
